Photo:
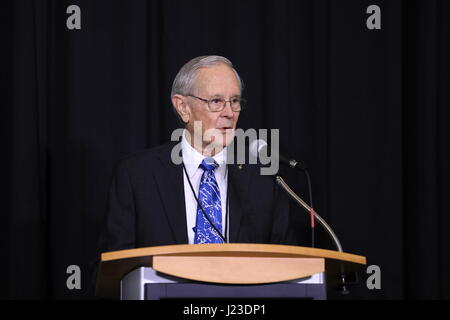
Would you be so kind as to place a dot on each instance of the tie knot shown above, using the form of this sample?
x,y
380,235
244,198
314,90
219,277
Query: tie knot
x,y
208,164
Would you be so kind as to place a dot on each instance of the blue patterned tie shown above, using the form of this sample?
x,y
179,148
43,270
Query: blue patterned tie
x,y
209,198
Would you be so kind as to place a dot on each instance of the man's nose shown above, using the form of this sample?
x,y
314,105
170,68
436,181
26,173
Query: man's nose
x,y
227,111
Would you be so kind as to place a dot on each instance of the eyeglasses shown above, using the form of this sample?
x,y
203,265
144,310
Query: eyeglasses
x,y
218,104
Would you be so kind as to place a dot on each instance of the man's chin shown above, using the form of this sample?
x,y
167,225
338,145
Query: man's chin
x,y
227,137
218,145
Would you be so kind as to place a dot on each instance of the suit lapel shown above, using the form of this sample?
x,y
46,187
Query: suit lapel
x,y
171,187
238,182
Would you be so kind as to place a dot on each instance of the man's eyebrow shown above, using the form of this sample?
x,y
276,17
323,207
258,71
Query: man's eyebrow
x,y
221,96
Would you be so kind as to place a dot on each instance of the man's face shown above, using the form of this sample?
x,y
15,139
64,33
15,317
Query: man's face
x,y
214,82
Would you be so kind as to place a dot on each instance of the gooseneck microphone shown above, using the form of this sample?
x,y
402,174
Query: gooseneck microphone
x,y
256,148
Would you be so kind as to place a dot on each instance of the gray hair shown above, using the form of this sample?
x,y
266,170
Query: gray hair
x,y
184,82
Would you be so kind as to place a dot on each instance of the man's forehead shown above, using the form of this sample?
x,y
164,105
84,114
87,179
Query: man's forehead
x,y
217,76
214,70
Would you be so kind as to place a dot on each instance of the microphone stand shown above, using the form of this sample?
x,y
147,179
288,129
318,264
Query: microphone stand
x,y
305,206
330,232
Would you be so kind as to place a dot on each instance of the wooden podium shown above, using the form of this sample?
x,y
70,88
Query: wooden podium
x,y
228,265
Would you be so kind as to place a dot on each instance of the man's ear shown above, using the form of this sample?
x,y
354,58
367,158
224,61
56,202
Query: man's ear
x,y
182,109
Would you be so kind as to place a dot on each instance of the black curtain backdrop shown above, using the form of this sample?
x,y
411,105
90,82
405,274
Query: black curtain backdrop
x,y
365,109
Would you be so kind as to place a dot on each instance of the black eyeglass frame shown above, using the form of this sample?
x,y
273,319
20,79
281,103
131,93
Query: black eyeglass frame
x,y
242,103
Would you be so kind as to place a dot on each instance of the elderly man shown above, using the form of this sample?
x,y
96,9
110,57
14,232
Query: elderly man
x,y
154,201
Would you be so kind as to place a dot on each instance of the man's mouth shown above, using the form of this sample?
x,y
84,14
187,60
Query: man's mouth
x,y
224,129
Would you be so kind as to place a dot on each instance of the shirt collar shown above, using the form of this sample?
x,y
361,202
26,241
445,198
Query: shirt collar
x,y
192,159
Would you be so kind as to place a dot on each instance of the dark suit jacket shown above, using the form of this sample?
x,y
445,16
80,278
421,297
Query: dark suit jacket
x,y
146,205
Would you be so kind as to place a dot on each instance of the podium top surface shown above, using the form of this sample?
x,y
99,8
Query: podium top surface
x,y
115,265
233,249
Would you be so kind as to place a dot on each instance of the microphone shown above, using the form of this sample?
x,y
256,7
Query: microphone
x,y
258,146
256,149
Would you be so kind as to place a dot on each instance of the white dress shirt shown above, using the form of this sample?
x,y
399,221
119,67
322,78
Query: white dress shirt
x,y
192,160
